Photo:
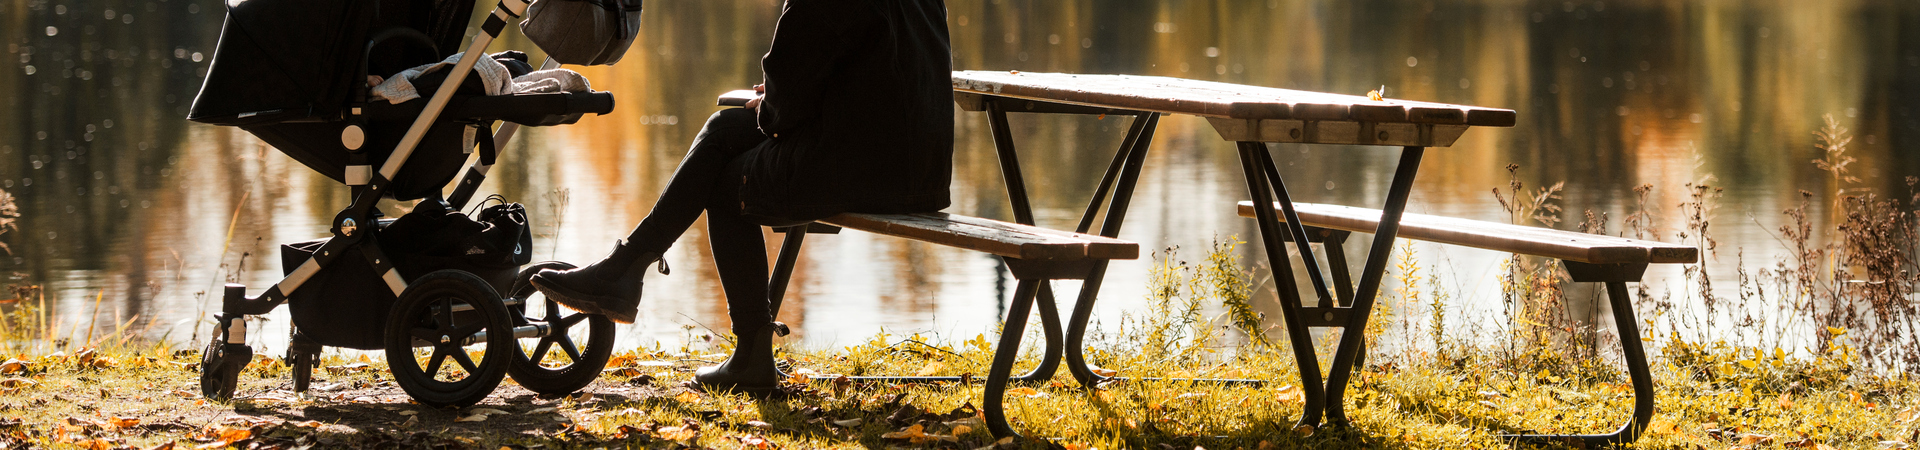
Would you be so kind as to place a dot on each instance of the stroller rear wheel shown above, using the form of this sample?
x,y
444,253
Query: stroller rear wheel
x,y
557,364
437,319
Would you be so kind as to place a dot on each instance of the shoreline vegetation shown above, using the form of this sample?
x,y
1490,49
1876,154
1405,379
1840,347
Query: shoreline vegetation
x,y
1812,351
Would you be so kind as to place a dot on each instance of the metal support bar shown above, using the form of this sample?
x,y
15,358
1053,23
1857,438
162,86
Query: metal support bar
x,y
1355,335
1004,354
1636,358
1294,227
477,172
783,267
1297,334
1009,164
1134,130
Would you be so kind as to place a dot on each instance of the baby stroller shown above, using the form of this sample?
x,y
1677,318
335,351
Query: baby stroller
x,y
426,287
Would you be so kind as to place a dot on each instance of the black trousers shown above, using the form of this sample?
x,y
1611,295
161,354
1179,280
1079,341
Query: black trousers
x,y
708,181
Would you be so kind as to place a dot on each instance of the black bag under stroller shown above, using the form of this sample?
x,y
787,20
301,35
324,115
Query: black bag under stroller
x,y
431,286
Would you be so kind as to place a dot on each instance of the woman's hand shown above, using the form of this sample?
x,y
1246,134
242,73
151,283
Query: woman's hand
x,y
755,102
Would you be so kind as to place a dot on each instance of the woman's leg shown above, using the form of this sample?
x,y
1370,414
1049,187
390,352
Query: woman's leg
x,y
740,256
611,287
727,135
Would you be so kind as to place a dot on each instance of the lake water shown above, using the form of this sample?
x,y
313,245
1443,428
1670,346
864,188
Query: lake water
x,y
129,214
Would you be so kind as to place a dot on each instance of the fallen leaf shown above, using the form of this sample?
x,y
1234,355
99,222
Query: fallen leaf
x,y
487,411
1105,372
849,423
163,446
120,422
13,366
752,441
961,429
687,397
472,418
306,424
628,372
84,423
1751,439
678,433
759,424
409,412
914,434
932,367
17,382
1026,392
545,410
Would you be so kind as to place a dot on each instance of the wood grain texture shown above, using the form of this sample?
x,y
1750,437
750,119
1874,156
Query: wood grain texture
x,y
1011,240
1567,245
1214,99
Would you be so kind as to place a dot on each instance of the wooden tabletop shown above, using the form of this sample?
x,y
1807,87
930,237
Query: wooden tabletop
x,y
1219,100
1239,113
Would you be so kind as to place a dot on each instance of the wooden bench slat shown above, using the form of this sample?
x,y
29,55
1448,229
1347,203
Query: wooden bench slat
x,y
1567,245
990,236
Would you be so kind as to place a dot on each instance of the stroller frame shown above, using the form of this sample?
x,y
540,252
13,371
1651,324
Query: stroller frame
x,y
227,352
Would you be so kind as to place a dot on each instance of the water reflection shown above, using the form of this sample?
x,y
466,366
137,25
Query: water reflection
x,y
122,200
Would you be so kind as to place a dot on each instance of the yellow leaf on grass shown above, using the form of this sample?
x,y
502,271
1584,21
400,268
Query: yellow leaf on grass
x,y
1836,331
1747,363
1751,439
123,422
1105,372
628,372
915,434
678,433
1026,392
931,368
13,366
17,382
688,397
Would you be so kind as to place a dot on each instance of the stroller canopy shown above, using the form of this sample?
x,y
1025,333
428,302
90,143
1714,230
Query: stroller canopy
x,y
280,60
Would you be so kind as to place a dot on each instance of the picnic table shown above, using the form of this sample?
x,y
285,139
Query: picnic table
x,y
1250,116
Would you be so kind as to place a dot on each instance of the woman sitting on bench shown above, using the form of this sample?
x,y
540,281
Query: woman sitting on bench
x,y
856,115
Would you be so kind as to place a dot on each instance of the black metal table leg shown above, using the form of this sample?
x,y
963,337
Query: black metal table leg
x,y
1615,276
1370,276
1004,355
1297,334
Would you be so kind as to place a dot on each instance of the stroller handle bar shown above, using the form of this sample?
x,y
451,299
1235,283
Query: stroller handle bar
x,y
496,22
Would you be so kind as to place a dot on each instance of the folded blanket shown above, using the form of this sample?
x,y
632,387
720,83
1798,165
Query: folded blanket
x,y
494,76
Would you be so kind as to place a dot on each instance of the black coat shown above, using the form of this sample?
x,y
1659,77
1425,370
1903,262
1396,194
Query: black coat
x,y
858,111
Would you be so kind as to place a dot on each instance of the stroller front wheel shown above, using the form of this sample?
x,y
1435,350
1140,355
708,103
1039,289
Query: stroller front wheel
x,y
430,330
220,366
558,364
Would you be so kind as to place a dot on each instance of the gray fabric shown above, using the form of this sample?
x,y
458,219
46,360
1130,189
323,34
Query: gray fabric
x,y
583,32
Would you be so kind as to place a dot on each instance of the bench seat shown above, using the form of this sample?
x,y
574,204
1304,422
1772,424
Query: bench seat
x,y
1032,254
1565,245
1010,240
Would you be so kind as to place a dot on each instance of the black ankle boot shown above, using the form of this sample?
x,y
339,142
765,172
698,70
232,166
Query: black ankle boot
x,y
751,369
610,287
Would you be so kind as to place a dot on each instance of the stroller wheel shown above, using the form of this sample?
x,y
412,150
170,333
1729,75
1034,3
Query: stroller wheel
x,y
434,325
557,363
220,366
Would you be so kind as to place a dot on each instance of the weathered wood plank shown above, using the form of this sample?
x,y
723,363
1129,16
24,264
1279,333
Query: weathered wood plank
x,y
1567,245
1000,238
1220,100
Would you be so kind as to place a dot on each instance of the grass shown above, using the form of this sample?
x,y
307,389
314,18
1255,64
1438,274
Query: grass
x,y
1812,351
1710,396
